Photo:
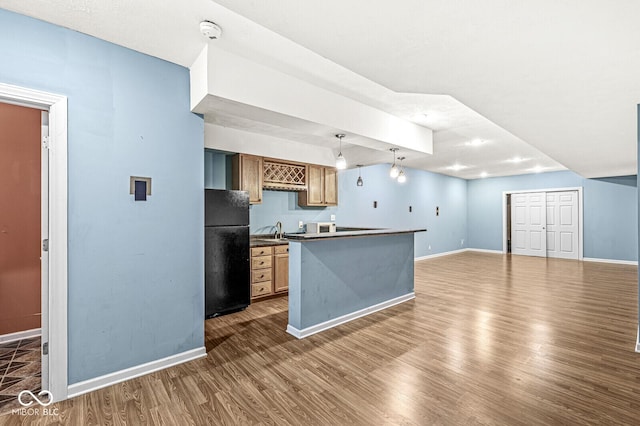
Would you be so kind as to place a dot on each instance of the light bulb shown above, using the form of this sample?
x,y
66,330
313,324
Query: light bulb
x,y
394,172
402,178
341,163
359,182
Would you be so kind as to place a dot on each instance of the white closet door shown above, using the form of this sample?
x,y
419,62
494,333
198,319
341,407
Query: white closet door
x,y
528,223
562,224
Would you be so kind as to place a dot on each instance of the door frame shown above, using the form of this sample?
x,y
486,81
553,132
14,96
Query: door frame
x,y
580,214
56,310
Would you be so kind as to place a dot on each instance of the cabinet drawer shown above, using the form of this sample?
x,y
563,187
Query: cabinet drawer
x,y
261,289
283,249
261,251
261,262
260,275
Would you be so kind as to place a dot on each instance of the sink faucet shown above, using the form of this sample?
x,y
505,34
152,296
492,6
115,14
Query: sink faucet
x,y
279,234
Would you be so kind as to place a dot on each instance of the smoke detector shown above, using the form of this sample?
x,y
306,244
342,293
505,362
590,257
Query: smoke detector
x,y
210,29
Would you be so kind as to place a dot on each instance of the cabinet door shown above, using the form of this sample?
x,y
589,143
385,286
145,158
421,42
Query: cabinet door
x,y
247,176
330,186
281,272
315,185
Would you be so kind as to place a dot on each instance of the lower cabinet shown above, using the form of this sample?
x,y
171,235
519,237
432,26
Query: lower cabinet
x,y
280,268
269,270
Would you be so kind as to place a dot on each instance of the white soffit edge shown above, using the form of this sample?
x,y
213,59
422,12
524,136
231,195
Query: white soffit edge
x,y
222,82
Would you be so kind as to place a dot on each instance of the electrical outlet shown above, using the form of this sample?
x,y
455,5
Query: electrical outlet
x,y
429,246
300,224
333,218
462,242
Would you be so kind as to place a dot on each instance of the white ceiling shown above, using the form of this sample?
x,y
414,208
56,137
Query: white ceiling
x,y
554,83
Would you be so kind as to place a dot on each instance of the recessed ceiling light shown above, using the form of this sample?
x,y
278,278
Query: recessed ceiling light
x,y
537,169
456,167
475,142
517,160
484,174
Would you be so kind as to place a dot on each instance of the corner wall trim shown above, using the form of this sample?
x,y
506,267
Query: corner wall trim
x,y
620,262
306,332
96,383
19,335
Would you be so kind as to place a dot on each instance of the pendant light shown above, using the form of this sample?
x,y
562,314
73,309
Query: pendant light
x,y
395,171
341,162
402,177
359,182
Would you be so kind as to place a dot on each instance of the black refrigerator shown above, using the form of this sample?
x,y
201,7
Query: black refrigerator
x,y
227,286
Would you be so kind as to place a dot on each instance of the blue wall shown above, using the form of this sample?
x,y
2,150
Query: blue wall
x,y
423,191
343,276
214,170
283,206
610,211
135,268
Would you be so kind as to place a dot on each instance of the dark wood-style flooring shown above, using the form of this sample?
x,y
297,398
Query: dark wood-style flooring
x,y
489,339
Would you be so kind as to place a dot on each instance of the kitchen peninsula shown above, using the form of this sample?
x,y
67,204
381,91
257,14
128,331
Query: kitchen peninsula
x,y
337,277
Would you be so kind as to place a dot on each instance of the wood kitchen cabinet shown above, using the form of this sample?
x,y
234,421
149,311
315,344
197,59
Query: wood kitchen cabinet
x,y
247,172
261,271
280,268
269,270
322,187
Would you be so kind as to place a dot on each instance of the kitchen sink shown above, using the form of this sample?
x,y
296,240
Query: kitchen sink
x,y
272,240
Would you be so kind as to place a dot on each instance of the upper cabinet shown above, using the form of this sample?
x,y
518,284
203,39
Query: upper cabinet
x,y
317,185
322,187
287,176
247,173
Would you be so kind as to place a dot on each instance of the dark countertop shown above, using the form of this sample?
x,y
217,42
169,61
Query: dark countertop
x,y
350,234
260,241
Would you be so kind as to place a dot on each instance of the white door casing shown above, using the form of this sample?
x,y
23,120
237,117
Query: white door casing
x,y
528,224
54,309
44,252
562,225
579,239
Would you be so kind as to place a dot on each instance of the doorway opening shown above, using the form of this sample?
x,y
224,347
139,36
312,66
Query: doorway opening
x,y
23,265
50,267
544,223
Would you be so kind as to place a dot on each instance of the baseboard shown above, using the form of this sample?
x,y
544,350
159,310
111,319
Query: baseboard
x,y
133,372
432,256
19,335
306,332
619,262
477,250
448,253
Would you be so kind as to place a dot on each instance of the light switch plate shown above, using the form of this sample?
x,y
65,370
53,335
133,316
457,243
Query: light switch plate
x,y
333,218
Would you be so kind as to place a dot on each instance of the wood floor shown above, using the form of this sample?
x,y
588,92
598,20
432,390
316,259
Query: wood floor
x,y
489,339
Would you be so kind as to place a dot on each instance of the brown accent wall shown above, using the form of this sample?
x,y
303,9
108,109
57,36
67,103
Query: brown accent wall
x,y
20,132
